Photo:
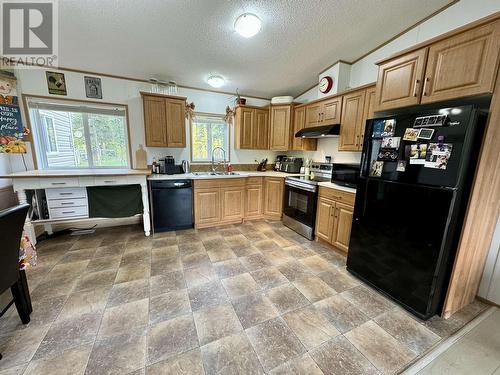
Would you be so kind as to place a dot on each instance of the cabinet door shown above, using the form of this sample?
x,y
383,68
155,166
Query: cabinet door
x,y
232,203
155,122
260,135
299,121
352,117
368,113
399,81
273,196
280,128
312,114
245,119
254,200
462,65
342,226
324,219
331,111
207,206
176,123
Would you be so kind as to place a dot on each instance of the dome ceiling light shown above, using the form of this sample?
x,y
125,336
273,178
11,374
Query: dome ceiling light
x,y
216,81
248,25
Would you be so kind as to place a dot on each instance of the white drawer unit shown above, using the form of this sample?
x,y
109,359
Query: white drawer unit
x,y
69,212
67,202
77,202
59,182
110,180
66,193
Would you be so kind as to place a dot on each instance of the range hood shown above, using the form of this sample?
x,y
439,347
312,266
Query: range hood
x,y
319,131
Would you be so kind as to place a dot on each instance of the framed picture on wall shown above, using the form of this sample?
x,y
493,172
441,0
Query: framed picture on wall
x,y
93,87
56,83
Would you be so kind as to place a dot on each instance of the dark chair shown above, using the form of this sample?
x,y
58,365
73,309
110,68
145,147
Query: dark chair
x,y
11,229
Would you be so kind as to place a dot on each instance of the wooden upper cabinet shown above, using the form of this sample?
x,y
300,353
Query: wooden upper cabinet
x,y
155,121
368,113
331,111
462,65
279,127
299,122
399,81
164,120
251,128
260,136
313,113
244,127
176,123
352,118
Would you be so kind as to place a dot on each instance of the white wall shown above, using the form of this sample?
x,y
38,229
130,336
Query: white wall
x,y
465,11
4,169
122,91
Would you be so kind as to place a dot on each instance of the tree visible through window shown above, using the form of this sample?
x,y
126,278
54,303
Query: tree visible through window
x,y
87,137
208,132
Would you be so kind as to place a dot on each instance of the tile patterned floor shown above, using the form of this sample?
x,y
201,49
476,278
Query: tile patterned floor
x,y
246,299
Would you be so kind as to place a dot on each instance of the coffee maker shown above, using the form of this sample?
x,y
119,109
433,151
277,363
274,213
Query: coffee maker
x,y
278,161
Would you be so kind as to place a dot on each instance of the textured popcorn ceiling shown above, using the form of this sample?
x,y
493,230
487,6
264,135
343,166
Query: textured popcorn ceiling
x,y
185,40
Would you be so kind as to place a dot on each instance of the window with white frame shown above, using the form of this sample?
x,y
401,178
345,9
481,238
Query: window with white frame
x,y
207,133
71,134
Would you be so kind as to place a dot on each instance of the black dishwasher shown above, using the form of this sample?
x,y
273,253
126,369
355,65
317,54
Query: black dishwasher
x,y
172,202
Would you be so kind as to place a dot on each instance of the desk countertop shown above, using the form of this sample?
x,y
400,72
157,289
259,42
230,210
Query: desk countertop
x,y
46,173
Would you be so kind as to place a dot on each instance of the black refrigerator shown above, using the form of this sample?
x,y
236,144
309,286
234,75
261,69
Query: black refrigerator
x,y
416,174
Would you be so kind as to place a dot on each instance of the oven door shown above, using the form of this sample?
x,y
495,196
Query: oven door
x,y
300,202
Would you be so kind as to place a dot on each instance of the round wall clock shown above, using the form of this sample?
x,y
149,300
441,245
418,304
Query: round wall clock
x,y
325,84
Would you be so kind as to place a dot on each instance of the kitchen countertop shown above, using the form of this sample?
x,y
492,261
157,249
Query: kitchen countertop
x,y
48,173
332,185
242,174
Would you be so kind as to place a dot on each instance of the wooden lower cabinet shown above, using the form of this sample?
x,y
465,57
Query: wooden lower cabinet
x,y
207,207
232,204
334,216
254,206
342,226
218,202
273,197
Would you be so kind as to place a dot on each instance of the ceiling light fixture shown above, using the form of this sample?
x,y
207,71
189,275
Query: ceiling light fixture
x,y
247,25
216,81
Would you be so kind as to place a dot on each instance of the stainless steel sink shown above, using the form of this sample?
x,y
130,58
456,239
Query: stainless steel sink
x,y
216,173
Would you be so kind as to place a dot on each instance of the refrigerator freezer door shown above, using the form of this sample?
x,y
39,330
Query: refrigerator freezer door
x,y
398,240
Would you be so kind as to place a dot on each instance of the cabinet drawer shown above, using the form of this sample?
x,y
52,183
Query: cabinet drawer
x,y
66,193
59,203
110,180
59,182
254,181
67,212
337,195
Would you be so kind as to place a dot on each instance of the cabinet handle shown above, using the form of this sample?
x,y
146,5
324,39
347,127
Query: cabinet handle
x,y
109,181
67,203
336,213
415,85
427,79
58,183
68,212
357,140
65,193
362,140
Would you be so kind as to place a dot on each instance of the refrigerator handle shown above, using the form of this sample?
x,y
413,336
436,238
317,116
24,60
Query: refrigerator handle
x,y
364,155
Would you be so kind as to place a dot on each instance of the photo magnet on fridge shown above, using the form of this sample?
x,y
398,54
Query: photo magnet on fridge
x,y
401,167
391,142
411,134
378,128
389,128
376,169
426,134
388,154
438,155
418,153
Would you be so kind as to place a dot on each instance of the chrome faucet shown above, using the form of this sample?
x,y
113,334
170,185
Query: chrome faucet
x,y
214,168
